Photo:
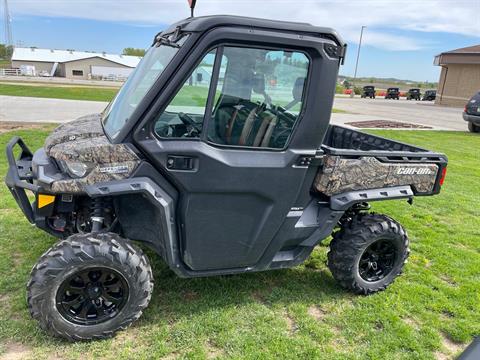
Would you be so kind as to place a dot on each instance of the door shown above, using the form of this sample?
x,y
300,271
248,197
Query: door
x,y
223,141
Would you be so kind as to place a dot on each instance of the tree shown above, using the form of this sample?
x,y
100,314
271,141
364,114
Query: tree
x,y
133,51
6,52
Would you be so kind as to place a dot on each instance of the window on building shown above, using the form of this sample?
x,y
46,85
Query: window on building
x,y
77,72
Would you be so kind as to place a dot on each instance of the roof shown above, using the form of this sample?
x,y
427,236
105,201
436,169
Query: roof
x,y
466,55
62,56
204,23
475,49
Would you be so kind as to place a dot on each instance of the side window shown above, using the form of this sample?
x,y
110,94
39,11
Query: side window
x,y
259,97
183,117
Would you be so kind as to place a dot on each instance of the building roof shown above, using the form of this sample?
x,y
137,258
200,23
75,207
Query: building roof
x,y
466,55
475,49
62,56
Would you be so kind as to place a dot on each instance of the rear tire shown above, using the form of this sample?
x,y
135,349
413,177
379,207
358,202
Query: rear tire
x,y
89,286
473,128
352,258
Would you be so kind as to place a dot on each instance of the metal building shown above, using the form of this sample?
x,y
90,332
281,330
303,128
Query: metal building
x,y
460,76
73,64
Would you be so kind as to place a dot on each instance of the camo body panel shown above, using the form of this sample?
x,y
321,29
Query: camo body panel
x,y
84,127
340,175
83,140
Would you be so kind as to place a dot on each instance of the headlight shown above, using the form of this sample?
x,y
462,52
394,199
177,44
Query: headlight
x,y
76,169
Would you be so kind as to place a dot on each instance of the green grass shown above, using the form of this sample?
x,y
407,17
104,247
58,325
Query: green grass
x,y
189,96
59,92
4,64
297,313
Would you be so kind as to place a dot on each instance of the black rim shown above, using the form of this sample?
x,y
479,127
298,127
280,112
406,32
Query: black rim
x,y
92,296
377,260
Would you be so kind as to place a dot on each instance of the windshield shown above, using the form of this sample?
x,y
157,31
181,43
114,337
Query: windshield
x,y
139,82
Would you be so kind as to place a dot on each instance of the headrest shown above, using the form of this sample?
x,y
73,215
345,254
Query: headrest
x,y
258,83
298,88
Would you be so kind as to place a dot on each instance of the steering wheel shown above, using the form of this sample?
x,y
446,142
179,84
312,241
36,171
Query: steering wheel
x,y
189,122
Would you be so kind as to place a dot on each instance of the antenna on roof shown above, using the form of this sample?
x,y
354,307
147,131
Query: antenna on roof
x,y
192,6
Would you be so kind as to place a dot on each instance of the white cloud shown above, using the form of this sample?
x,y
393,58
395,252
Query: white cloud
x,y
346,16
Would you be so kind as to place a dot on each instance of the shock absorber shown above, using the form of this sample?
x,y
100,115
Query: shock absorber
x,y
97,217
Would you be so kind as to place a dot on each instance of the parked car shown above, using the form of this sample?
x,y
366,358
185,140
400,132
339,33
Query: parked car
x,y
414,94
368,91
471,113
393,93
429,95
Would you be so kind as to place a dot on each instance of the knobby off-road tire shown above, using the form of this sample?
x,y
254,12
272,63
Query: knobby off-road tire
x,y
352,246
71,264
473,128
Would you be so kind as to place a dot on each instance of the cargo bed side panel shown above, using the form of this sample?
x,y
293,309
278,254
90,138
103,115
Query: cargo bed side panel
x,y
340,175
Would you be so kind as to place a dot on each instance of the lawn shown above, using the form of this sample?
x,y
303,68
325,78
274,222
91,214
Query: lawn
x,y
431,312
59,92
189,96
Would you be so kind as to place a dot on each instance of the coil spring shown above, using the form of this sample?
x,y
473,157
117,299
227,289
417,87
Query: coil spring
x,y
96,207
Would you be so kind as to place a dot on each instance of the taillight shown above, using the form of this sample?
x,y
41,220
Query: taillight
x,y
444,173
465,108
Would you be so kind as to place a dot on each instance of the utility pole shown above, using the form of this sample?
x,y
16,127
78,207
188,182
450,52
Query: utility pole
x,y
356,63
8,25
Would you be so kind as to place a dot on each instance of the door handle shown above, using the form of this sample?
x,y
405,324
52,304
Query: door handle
x,y
175,162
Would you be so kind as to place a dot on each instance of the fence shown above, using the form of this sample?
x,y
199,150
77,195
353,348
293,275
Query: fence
x,y
10,72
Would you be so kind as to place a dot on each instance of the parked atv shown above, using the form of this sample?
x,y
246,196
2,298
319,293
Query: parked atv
x,y
392,93
414,94
429,95
368,91
238,173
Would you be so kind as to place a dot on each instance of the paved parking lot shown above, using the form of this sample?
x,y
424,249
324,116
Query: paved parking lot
x,y
415,112
25,109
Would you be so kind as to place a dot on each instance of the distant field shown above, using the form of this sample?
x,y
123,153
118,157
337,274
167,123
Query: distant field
x,y
73,93
189,96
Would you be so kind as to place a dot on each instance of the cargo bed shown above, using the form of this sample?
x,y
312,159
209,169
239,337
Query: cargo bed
x,y
353,160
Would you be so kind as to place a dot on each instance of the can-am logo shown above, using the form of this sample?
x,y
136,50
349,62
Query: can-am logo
x,y
414,171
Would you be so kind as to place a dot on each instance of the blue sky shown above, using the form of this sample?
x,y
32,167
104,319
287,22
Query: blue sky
x,y
400,40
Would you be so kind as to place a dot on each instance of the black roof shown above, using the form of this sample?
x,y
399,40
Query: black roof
x,y
204,23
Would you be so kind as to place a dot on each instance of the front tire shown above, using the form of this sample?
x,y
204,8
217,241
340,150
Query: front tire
x,y
89,286
368,253
473,128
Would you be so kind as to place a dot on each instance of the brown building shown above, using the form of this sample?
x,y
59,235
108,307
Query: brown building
x,y
460,76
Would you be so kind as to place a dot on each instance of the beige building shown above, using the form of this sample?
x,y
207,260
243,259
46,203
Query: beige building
x,y
73,64
460,76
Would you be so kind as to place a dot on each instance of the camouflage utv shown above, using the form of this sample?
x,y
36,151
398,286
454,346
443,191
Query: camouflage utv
x,y
236,172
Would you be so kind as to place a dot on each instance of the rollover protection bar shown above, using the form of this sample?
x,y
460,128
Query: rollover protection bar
x,y
20,177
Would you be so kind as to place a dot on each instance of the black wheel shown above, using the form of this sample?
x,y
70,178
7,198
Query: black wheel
x,y
473,128
89,286
368,253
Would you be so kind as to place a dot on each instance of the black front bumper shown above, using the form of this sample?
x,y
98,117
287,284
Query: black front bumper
x,y
20,177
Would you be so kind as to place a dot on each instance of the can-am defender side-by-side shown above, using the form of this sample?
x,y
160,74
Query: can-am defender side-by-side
x,y
414,94
218,154
392,93
368,91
